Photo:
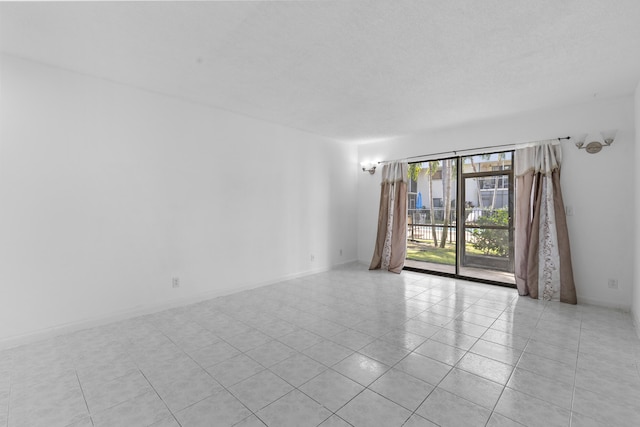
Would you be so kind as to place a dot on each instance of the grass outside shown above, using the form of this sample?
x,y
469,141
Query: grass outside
x,y
423,250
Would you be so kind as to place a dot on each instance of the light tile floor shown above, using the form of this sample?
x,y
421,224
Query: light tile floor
x,y
340,348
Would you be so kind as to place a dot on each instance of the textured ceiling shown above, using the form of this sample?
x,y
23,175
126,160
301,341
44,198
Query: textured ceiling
x,y
349,70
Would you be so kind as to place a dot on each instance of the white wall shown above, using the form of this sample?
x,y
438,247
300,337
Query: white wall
x,y
599,187
636,282
106,192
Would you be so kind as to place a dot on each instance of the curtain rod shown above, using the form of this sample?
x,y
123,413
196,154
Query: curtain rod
x,y
455,152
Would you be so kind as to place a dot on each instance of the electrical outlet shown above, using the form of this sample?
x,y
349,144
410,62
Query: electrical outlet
x,y
340,252
313,258
175,282
612,284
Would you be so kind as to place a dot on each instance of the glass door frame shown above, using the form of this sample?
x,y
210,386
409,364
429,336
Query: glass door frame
x,y
460,226
510,227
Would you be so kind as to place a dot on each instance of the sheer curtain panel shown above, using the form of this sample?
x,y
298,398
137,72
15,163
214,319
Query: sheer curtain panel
x,y
391,241
542,253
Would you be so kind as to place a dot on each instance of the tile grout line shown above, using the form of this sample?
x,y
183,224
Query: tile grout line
x,y
575,374
469,351
213,378
505,387
413,351
83,395
522,354
11,374
159,397
512,371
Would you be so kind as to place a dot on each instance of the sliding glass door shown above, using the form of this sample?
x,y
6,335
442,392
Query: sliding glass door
x,y
461,217
431,233
487,230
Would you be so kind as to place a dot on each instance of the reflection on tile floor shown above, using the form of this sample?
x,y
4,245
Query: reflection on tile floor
x,y
340,348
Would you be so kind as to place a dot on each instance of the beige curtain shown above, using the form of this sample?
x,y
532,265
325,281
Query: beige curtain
x,y
542,254
391,241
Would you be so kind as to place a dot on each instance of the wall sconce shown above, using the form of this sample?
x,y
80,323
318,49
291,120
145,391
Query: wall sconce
x,y
594,141
368,167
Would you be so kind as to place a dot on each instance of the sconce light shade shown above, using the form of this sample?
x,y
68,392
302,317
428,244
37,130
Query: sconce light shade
x,y
594,142
368,167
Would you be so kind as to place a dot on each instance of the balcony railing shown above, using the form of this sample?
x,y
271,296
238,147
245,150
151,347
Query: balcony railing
x,y
489,183
419,224
425,232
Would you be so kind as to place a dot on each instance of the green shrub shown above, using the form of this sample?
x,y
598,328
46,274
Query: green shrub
x,y
492,241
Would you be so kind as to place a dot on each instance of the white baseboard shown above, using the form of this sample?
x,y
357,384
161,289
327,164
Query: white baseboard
x,y
635,316
31,337
602,303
